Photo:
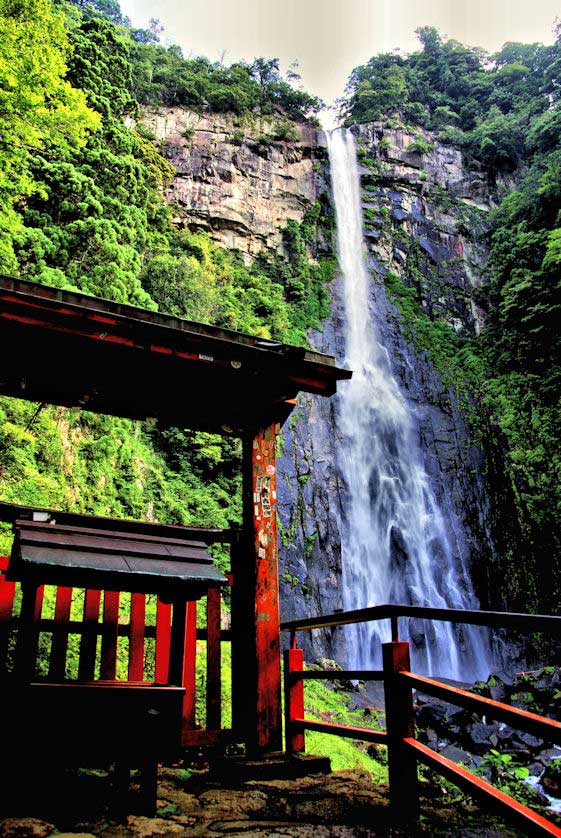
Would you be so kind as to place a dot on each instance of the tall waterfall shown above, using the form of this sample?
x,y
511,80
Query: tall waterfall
x,y
395,546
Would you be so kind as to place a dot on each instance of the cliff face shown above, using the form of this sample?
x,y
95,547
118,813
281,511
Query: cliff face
x,y
425,216
235,178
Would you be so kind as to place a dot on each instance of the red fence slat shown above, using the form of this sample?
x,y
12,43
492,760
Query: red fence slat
x,y
163,637
108,670
88,645
30,614
190,667
59,647
213,660
136,639
7,593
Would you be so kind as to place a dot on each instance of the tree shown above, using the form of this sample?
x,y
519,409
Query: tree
x,y
95,212
39,107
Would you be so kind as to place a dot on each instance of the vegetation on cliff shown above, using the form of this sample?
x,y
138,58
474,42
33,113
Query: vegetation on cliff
x,y
485,103
81,207
504,112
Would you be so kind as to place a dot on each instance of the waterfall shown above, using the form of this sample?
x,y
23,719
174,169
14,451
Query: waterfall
x,y
395,546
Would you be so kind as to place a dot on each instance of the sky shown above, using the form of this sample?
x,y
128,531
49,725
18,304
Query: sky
x,y
328,38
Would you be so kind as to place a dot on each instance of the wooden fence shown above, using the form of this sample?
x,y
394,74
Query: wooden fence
x,y
404,750
97,635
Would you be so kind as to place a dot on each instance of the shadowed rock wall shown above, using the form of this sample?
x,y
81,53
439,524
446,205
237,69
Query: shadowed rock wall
x,y
425,219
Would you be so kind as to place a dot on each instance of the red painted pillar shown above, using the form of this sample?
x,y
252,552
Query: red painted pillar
x,y
293,700
190,667
400,724
256,669
213,660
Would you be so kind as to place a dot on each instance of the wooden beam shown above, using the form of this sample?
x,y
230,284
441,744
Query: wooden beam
x,y
255,604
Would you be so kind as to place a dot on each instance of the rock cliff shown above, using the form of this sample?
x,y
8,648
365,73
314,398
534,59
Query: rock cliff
x,y
425,217
237,178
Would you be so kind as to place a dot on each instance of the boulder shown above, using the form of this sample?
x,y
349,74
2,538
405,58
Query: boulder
x,y
456,754
480,737
551,779
531,742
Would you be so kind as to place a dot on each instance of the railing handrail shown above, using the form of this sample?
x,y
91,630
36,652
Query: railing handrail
x,y
399,737
493,619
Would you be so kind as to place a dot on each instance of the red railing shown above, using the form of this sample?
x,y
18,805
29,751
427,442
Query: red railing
x,y
87,638
404,750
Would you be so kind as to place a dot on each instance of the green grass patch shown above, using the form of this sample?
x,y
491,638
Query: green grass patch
x,y
333,705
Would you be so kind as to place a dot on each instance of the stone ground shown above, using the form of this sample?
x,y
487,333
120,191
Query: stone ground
x,y
191,804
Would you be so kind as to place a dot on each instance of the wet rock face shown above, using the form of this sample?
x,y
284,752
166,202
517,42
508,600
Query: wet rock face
x,y
311,500
425,217
233,178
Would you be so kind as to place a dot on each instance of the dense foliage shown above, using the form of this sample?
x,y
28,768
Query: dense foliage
x,y
161,75
521,349
487,104
81,207
504,111
39,108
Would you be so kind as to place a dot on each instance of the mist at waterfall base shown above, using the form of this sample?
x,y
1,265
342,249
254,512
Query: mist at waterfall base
x,y
395,547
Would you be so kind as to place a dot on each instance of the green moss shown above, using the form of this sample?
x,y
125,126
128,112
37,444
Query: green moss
x,y
448,352
420,145
327,704
309,542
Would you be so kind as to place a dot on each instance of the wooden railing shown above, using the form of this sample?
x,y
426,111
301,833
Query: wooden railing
x,y
404,750
84,637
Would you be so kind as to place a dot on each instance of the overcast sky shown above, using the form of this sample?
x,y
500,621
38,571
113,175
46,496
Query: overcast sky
x,y
330,37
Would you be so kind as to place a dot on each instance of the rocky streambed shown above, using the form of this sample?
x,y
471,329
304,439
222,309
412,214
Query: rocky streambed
x,y
509,758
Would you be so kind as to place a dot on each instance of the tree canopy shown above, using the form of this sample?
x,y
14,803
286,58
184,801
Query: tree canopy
x,y
82,207
485,103
40,110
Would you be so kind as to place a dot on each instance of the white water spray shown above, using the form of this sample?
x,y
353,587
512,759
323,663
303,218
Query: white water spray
x,y
395,547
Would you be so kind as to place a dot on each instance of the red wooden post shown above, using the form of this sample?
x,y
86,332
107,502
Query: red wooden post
x,y
183,657
59,646
163,642
136,638
110,635
256,687
213,660
7,592
400,724
190,667
293,700
88,645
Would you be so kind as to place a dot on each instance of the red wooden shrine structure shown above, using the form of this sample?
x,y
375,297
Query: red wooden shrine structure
x,y
69,349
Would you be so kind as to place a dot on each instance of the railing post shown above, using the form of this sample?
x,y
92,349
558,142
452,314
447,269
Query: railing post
x,y
293,700
213,660
402,764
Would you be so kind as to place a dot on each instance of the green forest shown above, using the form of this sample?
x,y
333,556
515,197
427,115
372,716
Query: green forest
x,y
504,112
82,207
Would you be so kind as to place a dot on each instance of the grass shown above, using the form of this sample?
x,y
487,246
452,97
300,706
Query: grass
x,y
334,705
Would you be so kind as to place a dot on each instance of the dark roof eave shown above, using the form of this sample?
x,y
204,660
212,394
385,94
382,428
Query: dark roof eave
x,y
164,325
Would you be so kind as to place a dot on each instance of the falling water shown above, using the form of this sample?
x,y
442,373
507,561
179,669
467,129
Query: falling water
x,y
395,547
